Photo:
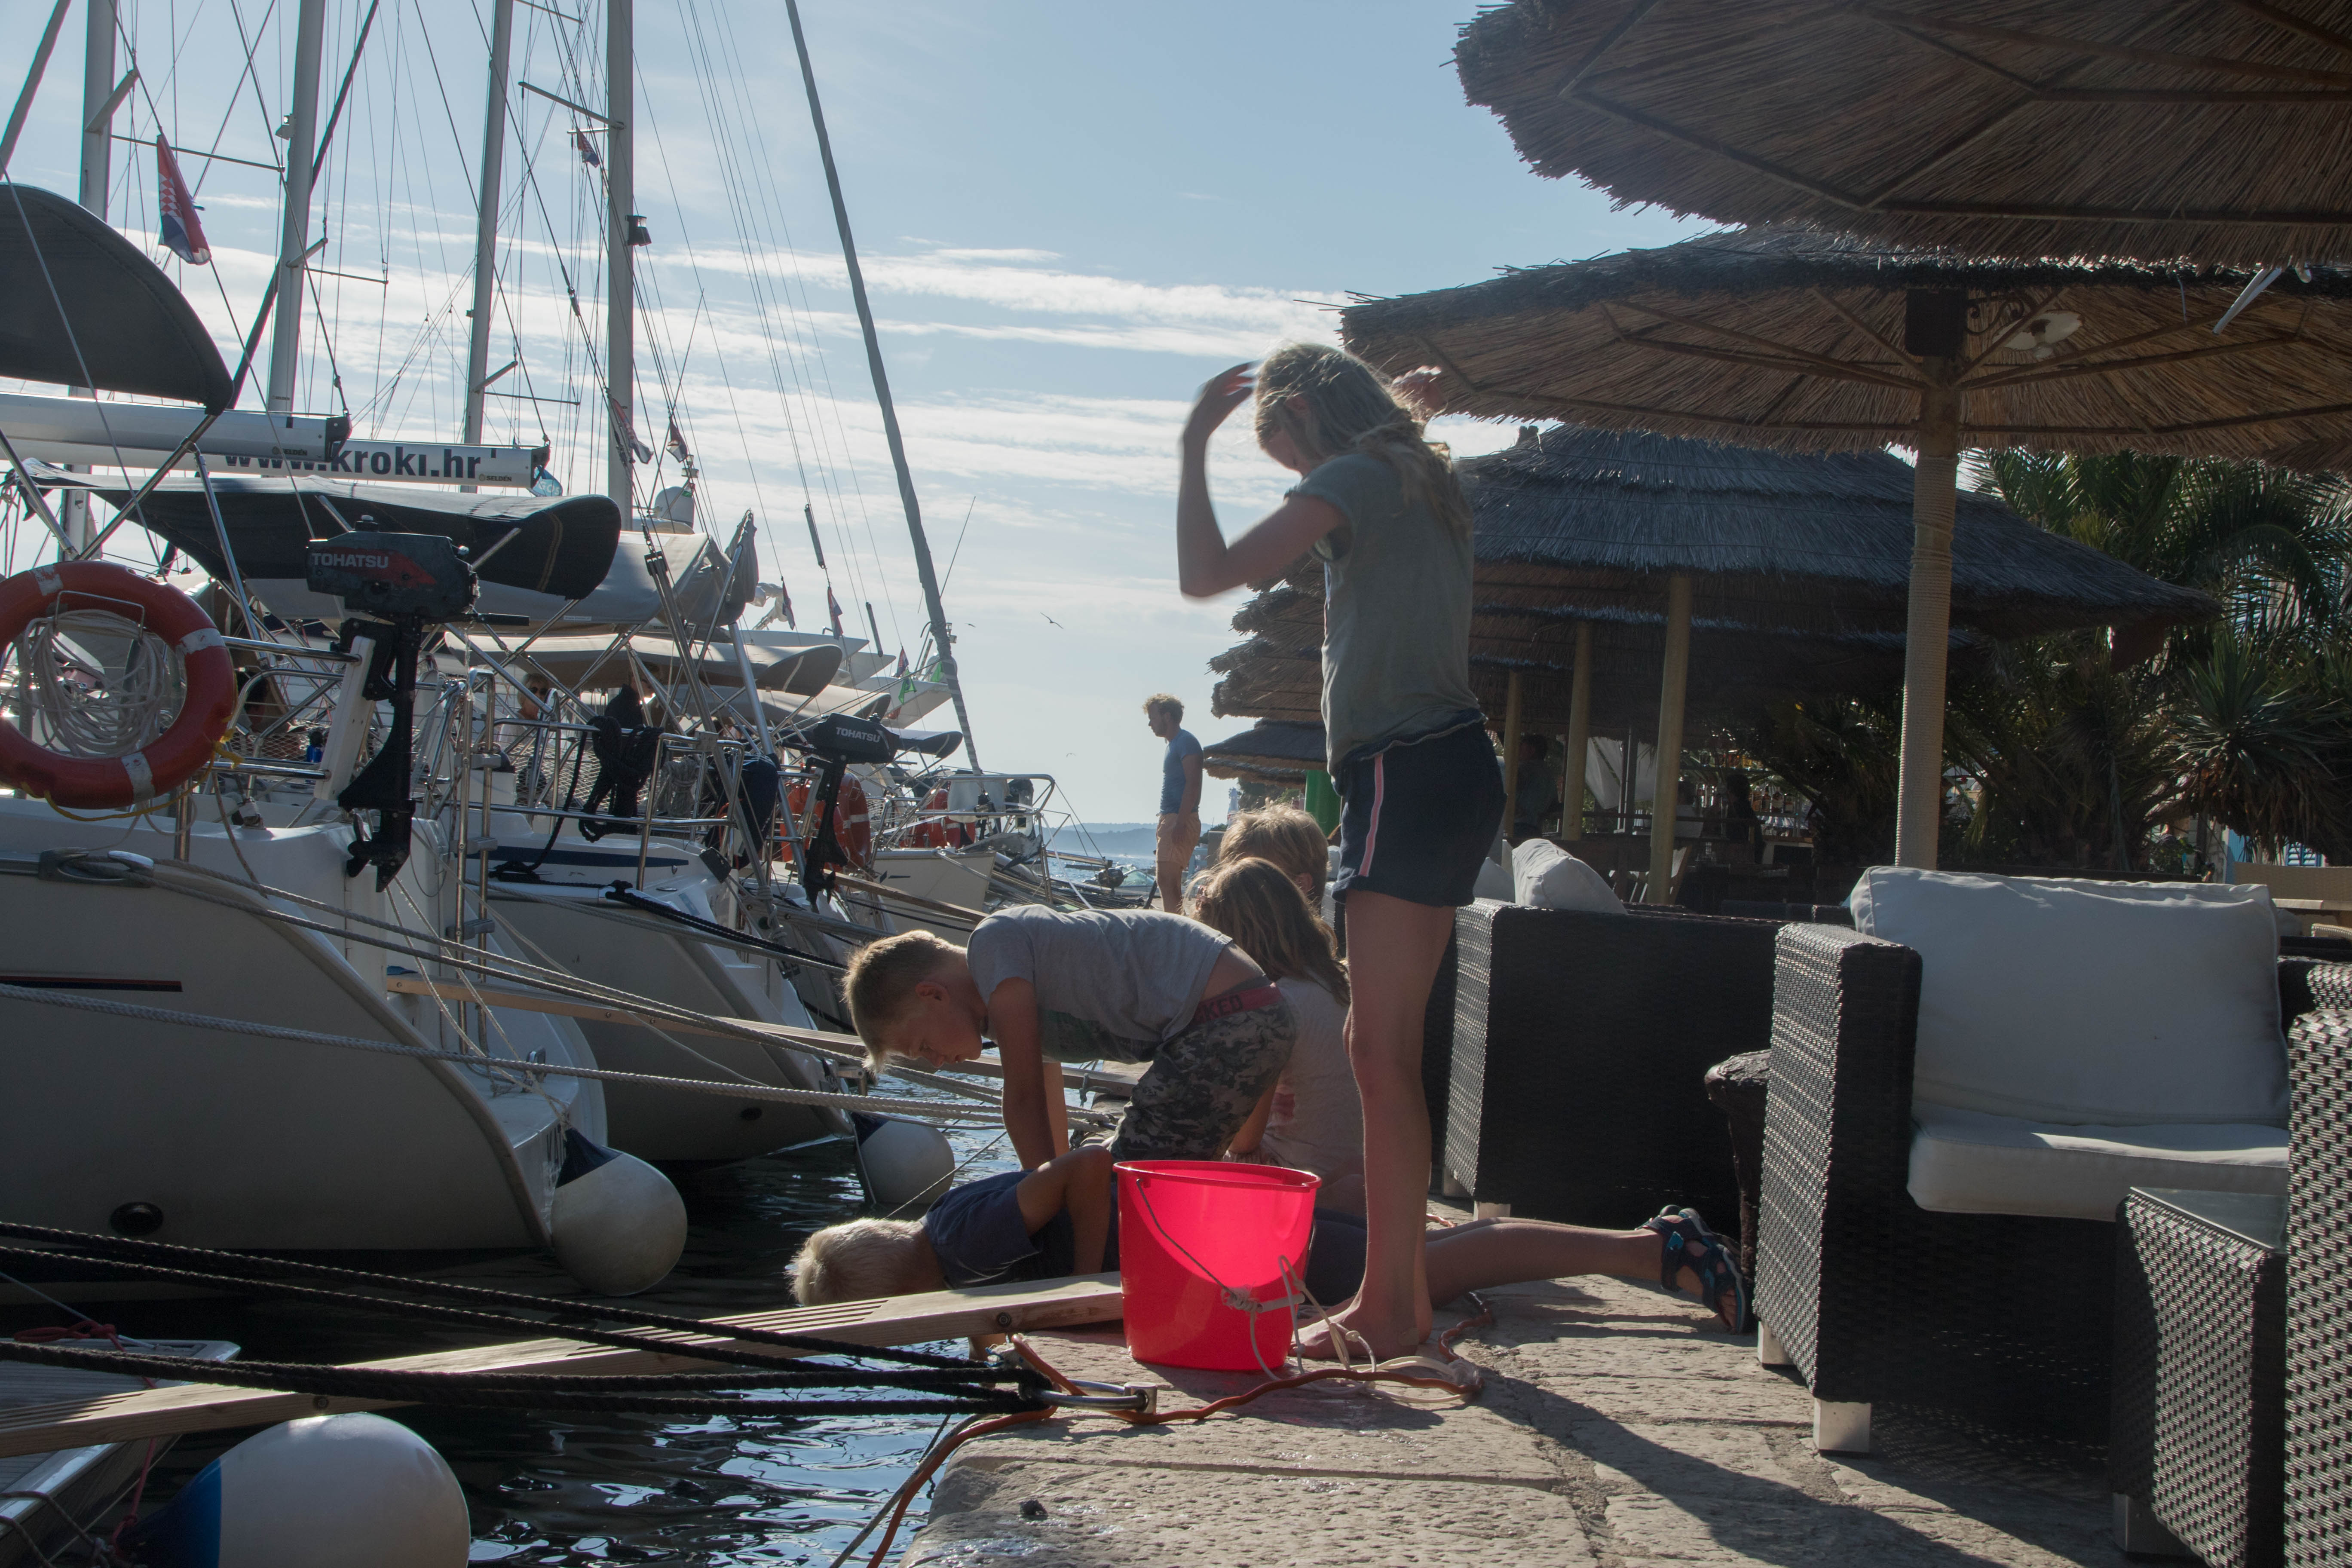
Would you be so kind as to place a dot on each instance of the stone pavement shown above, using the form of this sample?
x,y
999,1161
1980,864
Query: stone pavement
x,y
1617,1427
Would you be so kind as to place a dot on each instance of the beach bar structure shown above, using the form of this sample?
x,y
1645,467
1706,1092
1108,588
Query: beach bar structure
x,y
1799,340
1625,578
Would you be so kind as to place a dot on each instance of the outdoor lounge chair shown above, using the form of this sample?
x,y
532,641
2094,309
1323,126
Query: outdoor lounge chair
x,y
2318,1485
1953,1123
1581,1041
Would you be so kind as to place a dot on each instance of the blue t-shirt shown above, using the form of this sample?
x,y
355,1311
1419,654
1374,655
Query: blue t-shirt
x,y
1181,745
980,1238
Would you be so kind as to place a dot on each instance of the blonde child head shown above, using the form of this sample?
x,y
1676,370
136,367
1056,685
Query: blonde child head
x,y
864,1260
1263,910
1286,836
879,986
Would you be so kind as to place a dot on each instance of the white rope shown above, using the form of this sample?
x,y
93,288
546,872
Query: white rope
x,y
467,1059
87,706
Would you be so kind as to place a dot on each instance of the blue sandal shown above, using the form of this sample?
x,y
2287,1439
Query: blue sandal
x,y
1690,1244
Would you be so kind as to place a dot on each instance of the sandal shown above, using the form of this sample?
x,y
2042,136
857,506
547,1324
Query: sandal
x,y
1690,1244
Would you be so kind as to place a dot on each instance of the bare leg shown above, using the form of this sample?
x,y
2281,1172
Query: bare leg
x,y
1394,950
1492,1252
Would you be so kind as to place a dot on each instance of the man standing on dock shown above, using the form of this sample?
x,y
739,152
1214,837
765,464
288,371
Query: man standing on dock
x,y
1180,797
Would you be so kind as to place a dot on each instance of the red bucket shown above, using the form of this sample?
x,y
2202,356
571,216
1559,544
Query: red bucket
x,y
1190,1230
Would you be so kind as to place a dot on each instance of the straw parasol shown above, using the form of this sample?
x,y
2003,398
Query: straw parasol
x,y
1790,339
1793,572
1272,750
2207,127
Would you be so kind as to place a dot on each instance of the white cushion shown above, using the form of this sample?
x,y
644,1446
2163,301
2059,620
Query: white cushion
x,y
1964,1161
1547,877
1494,881
2125,1004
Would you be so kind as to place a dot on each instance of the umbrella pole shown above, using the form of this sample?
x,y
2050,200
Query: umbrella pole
x,y
1665,794
1580,736
1512,709
1927,637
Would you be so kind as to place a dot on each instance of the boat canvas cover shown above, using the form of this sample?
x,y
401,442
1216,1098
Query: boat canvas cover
x,y
564,549
81,306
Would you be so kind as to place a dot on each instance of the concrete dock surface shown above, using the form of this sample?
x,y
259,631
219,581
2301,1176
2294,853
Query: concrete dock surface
x,y
1617,1426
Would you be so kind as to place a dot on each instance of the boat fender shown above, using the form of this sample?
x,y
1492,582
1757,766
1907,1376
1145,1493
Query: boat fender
x,y
184,749
328,1491
902,1163
617,1224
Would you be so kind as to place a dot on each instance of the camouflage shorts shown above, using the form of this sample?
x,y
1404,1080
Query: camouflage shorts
x,y
1202,1085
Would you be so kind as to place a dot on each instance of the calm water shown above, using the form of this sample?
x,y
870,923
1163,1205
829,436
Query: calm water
x,y
569,1489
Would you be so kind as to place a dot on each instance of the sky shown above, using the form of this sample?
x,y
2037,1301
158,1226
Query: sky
x,y
1069,216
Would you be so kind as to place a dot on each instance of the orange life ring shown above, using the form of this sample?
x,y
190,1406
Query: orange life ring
x,y
174,757
853,826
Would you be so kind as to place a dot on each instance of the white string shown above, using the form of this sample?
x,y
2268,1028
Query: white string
x,y
90,705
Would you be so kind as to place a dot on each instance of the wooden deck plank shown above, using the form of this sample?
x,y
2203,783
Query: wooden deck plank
x,y
899,1320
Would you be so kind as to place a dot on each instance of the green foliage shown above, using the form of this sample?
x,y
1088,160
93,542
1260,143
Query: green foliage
x,y
2246,720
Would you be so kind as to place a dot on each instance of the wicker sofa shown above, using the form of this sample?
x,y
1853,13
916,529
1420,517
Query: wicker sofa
x,y
2006,1318
2318,998
1572,1085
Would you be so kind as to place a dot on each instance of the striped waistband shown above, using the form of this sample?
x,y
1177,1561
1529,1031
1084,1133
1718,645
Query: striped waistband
x,y
1246,999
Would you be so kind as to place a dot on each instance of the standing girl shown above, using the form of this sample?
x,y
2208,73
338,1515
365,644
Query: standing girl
x,y
1406,742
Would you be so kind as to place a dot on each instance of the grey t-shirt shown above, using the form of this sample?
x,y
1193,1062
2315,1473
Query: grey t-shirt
x,y
1111,985
1396,616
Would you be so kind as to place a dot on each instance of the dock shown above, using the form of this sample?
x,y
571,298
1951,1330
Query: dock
x,y
1617,1427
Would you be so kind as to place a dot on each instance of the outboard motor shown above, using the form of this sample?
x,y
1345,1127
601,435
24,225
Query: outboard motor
x,y
394,585
836,742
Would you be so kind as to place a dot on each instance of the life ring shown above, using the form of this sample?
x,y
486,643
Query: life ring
x,y
853,826
174,757
936,832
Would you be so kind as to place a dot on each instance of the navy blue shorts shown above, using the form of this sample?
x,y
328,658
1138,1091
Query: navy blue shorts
x,y
1420,816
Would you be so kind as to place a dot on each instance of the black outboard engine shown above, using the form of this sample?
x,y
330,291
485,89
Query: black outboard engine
x,y
395,585
836,742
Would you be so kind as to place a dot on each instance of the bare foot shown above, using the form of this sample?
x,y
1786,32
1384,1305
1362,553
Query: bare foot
x,y
1364,1337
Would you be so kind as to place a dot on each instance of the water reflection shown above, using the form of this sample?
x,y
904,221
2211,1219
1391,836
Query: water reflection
x,y
562,1488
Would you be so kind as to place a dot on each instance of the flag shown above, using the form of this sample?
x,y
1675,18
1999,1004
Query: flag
x,y
626,429
834,605
902,663
177,226
677,443
588,153
784,599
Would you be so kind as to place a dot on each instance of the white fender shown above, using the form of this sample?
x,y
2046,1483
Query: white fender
x,y
903,1163
617,1224
328,1491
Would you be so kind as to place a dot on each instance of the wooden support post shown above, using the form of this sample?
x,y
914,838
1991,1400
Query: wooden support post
x,y
1580,736
1928,636
1512,706
1673,689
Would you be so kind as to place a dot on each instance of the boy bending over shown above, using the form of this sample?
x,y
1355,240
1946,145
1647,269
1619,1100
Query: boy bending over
x,y
1129,986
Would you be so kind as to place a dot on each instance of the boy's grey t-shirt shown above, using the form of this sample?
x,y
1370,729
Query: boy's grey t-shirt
x,y
1396,615
1111,985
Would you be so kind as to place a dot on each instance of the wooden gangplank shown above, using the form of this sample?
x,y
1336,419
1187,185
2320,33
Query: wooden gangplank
x,y
897,1320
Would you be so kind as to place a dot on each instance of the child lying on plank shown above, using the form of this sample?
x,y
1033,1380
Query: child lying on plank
x,y
1062,1219
1130,986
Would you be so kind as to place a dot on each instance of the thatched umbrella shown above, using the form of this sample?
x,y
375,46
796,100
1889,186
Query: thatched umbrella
x,y
1763,573
1272,750
1796,340
2213,129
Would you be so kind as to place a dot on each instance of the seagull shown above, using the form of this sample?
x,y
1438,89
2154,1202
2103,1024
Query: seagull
x,y
1052,622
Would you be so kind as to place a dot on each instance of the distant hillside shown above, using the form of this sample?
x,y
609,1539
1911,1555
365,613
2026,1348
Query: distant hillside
x,y
1108,839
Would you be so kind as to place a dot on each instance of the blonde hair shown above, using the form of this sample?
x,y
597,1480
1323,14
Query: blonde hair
x,y
1253,902
1282,835
882,975
859,1261
1161,702
1329,403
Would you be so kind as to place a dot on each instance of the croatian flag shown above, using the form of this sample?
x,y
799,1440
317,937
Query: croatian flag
x,y
177,226
677,443
588,153
902,663
784,598
832,604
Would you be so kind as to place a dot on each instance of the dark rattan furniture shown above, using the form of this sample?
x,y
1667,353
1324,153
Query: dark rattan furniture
x,y
2319,1230
1740,1086
2200,1426
1580,1045
2006,1319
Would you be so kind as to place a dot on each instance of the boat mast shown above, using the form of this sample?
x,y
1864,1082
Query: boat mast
x,y
294,239
940,636
620,226
98,99
486,219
